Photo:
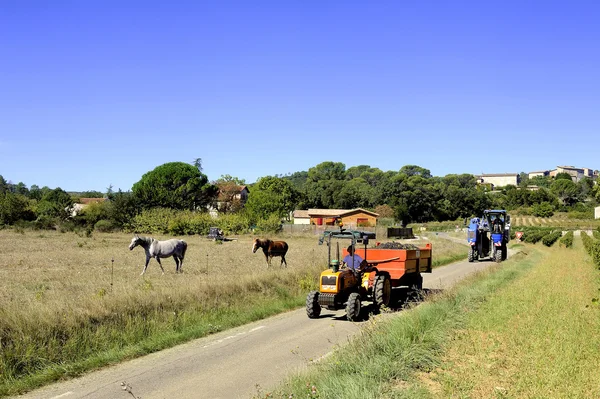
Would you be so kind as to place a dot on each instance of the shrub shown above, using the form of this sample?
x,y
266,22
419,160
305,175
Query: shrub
x,y
567,239
595,253
549,239
543,210
532,234
104,226
580,215
270,225
152,221
587,241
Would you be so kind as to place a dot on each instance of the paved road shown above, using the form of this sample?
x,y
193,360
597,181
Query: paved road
x,y
234,363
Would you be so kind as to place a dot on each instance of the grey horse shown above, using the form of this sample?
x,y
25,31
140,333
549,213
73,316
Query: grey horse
x,y
161,249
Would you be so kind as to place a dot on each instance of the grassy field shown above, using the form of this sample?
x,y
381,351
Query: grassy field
x,y
537,338
525,329
71,303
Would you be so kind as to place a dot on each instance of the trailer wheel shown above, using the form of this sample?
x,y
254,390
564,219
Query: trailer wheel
x,y
471,256
382,290
353,307
313,309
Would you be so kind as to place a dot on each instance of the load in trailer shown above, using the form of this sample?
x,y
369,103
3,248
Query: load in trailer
x,y
385,269
488,236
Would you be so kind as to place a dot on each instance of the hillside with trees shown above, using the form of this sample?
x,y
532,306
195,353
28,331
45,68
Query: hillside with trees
x,y
182,194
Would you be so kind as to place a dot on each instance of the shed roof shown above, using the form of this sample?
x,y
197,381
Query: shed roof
x,y
338,212
300,213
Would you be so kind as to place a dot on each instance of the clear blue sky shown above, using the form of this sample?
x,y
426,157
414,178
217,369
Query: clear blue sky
x,y
97,93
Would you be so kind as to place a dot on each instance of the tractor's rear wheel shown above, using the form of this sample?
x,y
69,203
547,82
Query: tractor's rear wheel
x,y
313,309
471,256
382,290
353,307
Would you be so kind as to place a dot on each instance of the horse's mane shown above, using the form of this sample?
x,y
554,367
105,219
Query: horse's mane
x,y
147,240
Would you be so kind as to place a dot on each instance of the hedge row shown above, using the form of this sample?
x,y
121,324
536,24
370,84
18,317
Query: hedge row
x,y
592,247
567,239
178,223
549,239
532,234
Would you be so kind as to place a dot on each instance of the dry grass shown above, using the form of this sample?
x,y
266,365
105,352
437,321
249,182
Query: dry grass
x,y
70,300
65,270
68,268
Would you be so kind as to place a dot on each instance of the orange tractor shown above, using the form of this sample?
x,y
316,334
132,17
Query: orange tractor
x,y
385,269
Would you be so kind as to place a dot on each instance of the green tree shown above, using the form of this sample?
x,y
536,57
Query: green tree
x,y
91,194
523,179
596,192
14,207
122,208
175,185
356,193
566,191
324,183
414,170
271,195
585,187
563,175
20,188
543,210
35,192
55,204
3,185
540,181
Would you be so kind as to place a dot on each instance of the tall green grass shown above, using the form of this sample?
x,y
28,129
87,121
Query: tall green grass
x,y
535,338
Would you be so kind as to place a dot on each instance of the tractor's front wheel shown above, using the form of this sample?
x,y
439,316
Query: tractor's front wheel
x,y
353,307
498,255
382,290
471,256
313,309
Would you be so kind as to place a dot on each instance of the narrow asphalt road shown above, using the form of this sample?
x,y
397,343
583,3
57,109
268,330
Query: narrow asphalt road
x,y
237,363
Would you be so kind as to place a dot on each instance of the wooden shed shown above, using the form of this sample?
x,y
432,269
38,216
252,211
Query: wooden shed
x,y
351,218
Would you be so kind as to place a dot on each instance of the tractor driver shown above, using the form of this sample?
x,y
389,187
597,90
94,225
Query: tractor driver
x,y
498,225
354,261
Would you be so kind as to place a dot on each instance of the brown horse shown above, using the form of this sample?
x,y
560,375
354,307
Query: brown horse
x,y
271,249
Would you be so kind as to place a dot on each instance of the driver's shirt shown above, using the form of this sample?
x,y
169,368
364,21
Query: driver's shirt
x,y
353,261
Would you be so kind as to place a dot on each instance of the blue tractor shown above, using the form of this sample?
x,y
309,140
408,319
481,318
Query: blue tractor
x,y
488,236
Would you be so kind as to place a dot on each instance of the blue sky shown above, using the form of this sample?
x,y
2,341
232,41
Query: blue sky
x,y
97,93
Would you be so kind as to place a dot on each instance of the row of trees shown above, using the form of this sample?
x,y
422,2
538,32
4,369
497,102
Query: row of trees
x,y
410,194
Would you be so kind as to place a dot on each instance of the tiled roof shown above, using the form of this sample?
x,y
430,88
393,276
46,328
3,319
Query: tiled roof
x,y
301,213
337,212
